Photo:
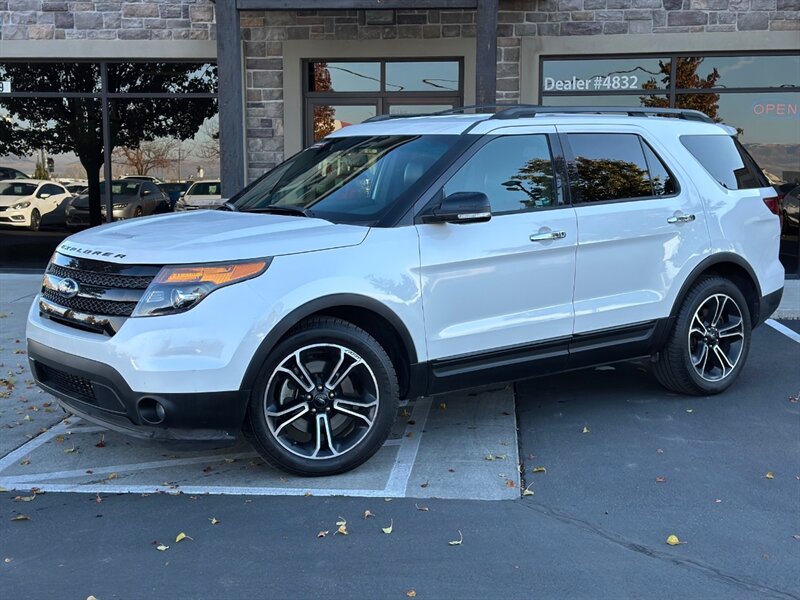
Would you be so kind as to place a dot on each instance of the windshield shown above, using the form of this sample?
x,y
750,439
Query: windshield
x,y
119,188
17,189
348,179
204,188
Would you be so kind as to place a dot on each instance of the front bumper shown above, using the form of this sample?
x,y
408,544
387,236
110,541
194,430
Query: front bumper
x,y
99,393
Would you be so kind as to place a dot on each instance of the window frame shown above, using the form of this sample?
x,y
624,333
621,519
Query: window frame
x,y
570,161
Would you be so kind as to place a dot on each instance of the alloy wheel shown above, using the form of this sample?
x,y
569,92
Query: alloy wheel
x,y
716,337
321,401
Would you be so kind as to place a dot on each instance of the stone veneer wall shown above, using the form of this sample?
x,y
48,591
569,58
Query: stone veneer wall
x,y
264,33
107,20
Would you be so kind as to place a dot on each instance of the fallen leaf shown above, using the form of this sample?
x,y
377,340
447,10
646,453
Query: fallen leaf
x,y
25,461
24,498
585,429
661,479
389,529
422,508
70,450
405,413
797,537
102,442
424,485
2,489
539,470
98,499
27,418
342,524
162,547
659,451
673,540
368,514
489,457
214,521
91,598
717,501
7,559
308,494
527,491
112,476
769,475
689,410
59,438
182,536
20,517
412,593
442,406
510,483
323,533
457,542
230,460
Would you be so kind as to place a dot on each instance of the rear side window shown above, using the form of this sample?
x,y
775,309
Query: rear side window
x,y
726,160
615,166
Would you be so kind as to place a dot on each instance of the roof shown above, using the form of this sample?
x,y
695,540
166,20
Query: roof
x,y
33,181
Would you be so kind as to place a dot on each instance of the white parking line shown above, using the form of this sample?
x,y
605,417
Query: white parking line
x,y
407,454
28,447
792,335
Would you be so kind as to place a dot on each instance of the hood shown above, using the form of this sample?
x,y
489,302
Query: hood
x,y
202,200
208,236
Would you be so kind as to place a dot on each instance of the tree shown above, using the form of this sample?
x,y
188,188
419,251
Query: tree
x,y
208,145
66,125
158,154
40,172
603,179
686,77
324,122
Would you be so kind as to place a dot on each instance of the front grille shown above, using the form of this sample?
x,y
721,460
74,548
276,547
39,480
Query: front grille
x,y
91,306
105,290
106,280
67,383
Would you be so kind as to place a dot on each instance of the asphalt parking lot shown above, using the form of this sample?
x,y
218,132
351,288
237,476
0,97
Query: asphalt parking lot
x,y
612,465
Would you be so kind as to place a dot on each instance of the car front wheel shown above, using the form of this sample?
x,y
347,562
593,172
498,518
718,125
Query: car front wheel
x,y
36,220
325,399
710,340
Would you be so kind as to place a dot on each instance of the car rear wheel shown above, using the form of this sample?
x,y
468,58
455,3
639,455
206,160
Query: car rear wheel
x,y
325,399
138,212
710,340
36,220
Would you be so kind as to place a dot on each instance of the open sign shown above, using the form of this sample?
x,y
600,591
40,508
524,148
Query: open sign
x,y
775,109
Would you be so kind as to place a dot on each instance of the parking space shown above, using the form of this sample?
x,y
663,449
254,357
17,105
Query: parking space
x,y
437,449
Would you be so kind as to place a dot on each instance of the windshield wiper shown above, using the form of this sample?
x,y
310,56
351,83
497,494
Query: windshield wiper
x,y
294,211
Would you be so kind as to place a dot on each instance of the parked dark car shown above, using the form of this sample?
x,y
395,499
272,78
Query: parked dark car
x,y
790,209
131,198
9,173
173,190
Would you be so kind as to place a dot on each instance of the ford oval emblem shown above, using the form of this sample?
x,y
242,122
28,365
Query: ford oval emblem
x,y
68,288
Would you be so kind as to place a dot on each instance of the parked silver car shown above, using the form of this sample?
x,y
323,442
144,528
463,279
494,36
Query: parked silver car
x,y
131,198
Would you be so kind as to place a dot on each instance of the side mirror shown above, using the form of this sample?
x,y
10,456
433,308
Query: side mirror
x,y
182,194
147,192
461,207
44,195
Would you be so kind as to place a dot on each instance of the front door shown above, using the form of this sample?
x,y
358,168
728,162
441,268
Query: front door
x,y
503,285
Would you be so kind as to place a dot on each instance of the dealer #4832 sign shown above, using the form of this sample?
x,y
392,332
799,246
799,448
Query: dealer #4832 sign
x,y
608,82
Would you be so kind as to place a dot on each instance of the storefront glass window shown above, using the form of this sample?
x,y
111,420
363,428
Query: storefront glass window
x,y
428,76
345,77
757,94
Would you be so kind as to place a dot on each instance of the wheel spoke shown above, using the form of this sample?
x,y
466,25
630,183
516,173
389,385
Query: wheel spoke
x,y
335,383
279,414
724,361
735,329
702,358
719,310
698,321
323,425
338,407
308,385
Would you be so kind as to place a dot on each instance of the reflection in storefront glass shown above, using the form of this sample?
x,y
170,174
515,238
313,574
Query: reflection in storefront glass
x,y
51,77
742,71
332,117
636,100
172,78
428,76
345,77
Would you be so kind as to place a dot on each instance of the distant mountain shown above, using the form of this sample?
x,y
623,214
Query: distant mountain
x,y
776,158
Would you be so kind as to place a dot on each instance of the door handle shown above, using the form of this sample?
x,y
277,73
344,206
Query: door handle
x,y
681,219
550,235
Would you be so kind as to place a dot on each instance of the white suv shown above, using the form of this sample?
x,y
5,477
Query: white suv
x,y
415,256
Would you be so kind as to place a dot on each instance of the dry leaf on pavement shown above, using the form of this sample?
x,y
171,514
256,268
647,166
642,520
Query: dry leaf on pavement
x,y
527,491
162,547
539,470
214,521
368,514
342,524
769,475
585,429
421,508
673,540
457,542
389,529
412,593
182,536
661,479
20,517
322,534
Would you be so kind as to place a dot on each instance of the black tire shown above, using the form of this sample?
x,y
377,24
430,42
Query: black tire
x,y
295,443
36,220
693,359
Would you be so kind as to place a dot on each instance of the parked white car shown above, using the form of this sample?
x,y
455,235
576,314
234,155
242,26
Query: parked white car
x,y
406,257
32,203
206,193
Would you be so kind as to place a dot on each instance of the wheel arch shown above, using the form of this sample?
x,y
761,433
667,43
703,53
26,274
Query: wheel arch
x,y
731,266
369,314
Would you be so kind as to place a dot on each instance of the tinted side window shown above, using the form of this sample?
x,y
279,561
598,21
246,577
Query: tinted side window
x,y
607,166
726,161
663,181
515,172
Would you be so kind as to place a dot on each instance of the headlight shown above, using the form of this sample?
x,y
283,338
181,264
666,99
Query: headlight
x,y
21,205
177,289
120,206
180,205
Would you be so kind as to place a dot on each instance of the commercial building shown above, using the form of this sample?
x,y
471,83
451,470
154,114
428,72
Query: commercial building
x,y
260,82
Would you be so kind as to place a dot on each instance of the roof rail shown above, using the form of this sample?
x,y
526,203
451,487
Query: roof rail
x,y
450,111
523,111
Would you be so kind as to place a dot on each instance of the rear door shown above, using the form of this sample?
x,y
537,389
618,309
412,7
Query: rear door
x,y
502,286
638,225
